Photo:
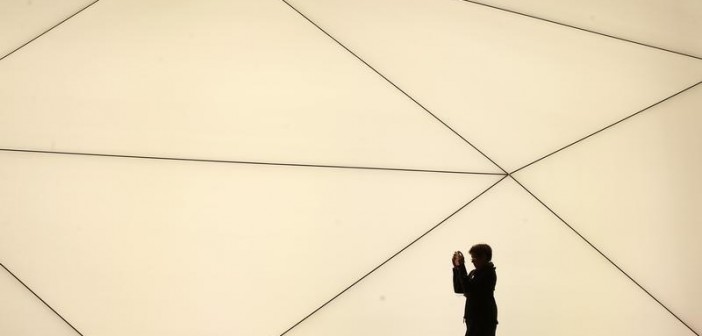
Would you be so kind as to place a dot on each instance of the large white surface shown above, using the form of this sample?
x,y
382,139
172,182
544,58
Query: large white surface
x,y
244,80
549,281
517,88
635,192
125,246
23,20
152,247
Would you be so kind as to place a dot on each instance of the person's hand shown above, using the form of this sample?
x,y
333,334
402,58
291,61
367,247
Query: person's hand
x,y
457,258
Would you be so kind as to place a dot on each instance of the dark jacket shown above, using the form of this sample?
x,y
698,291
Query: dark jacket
x,y
478,287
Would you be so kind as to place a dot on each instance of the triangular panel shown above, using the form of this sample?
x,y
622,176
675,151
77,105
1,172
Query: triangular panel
x,y
243,80
549,282
153,247
517,88
635,190
673,24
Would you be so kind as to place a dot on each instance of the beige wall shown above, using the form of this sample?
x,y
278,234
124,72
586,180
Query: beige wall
x,y
226,168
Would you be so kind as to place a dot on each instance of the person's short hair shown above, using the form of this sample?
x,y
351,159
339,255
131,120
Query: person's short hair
x,y
481,250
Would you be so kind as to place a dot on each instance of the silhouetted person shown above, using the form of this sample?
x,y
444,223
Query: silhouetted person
x,y
478,286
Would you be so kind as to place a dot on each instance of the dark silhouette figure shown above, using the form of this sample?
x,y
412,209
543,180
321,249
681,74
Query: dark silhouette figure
x,y
478,286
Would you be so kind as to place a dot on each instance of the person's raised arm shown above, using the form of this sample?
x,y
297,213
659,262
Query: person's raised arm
x,y
460,276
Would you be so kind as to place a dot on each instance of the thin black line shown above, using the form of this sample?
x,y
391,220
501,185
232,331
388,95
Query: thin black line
x,y
244,162
581,29
393,256
607,127
40,299
48,30
393,84
603,255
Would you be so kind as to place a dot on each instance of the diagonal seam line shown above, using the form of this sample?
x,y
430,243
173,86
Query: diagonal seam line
x,y
393,256
244,162
604,256
393,84
607,127
48,30
40,299
581,29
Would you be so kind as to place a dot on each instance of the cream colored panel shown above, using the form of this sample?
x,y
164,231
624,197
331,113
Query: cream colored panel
x,y
516,87
151,247
635,190
22,314
243,80
23,20
549,282
671,24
